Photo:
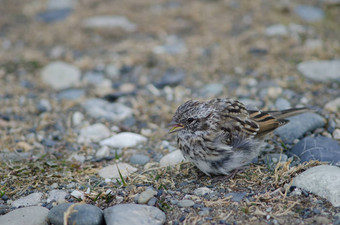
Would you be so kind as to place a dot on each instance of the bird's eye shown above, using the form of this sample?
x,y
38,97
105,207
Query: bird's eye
x,y
190,120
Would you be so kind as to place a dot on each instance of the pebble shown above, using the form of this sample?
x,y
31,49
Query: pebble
x,y
53,15
171,77
71,94
333,106
34,215
172,158
60,75
321,220
60,4
204,211
212,90
275,158
152,201
44,106
111,171
309,13
173,46
57,196
103,152
134,214
202,191
185,203
282,104
146,195
236,196
336,134
93,133
124,140
299,125
98,108
93,77
77,194
77,118
323,71
112,71
317,148
321,180
84,214
75,157
276,30
139,159
29,200
110,22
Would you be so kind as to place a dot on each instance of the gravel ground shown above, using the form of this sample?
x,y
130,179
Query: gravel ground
x,y
88,87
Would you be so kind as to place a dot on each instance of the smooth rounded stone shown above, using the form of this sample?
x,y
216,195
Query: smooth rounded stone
x,y
77,118
84,214
34,215
333,106
309,13
173,45
236,196
275,158
185,203
112,71
139,159
57,196
172,158
323,71
29,200
53,15
60,75
146,195
152,201
78,194
94,78
204,211
313,44
71,94
103,152
172,77
44,106
14,156
276,30
299,125
321,180
282,104
125,214
60,4
124,140
112,170
317,148
93,133
98,108
212,90
336,134
202,191
274,92
76,157
110,22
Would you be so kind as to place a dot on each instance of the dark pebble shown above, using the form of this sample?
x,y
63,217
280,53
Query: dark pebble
x,y
172,77
55,15
182,218
316,211
258,51
152,201
4,197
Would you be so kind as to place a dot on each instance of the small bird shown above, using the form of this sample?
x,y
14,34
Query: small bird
x,y
221,136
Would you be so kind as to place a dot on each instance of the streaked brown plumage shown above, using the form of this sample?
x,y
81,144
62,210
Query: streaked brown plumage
x,y
221,135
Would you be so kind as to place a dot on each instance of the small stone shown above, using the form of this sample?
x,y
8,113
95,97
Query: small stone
x,y
185,203
336,134
146,195
323,71
103,152
34,215
98,108
44,106
282,104
124,140
321,220
309,13
29,200
77,194
75,157
171,77
134,214
112,170
236,196
57,196
202,191
84,214
172,159
276,30
53,15
24,146
204,211
333,106
77,118
94,78
60,75
152,201
321,180
71,94
274,92
275,158
112,71
174,45
93,133
110,22
213,90
139,159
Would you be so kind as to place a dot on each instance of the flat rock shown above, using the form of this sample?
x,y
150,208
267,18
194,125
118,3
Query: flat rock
x,y
110,22
112,170
171,77
333,106
99,108
321,180
173,45
57,196
172,158
299,125
84,214
125,214
317,148
34,215
124,140
29,200
185,203
60,75
236,196
202,191
276,30
323,71
139,159
309,13
146,195
71,94
93,133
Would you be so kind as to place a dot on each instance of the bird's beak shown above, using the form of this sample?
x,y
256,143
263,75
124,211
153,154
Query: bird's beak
x,y
175,127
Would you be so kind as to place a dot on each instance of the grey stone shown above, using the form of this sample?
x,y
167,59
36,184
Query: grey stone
x,y
111,171
93,78
57,195
317,148
44,106
98,108
53,15
126,214
139,159
146,195
124,140
174,45
324,71
299,125
202,191
172,158
275,158
93,133
276,30
333,106
185,203
309,13
61,4
172,77
29,200
60,75
84,214
282,104
321,180
213,90
34,215
71,94
236,196
110,22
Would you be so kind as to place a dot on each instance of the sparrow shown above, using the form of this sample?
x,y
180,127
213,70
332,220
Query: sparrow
x,y
221,135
